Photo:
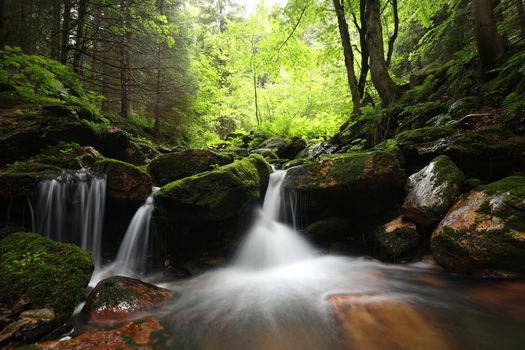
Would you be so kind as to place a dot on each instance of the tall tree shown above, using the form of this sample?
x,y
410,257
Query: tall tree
x,y
381,78
521,15
348,55
490,48
66,27
79,37
55,30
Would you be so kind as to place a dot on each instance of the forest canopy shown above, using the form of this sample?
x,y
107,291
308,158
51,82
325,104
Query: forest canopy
x,y
193,72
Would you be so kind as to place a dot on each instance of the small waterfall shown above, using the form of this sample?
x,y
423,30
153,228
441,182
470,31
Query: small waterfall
x,y
269,242
70,208
132,254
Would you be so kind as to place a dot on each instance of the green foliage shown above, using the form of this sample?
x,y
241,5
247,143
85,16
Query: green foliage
x,y
41,80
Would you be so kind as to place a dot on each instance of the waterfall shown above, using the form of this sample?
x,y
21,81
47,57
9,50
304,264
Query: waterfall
x,y
132,254
70,208
270,242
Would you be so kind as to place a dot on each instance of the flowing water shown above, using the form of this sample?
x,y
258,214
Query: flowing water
x,y
279,293
70,208
132,257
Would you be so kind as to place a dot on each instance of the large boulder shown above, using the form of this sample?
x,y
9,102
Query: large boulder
x,y
170,167
490,153
124,181
484,232
118,298
283,147
355,185
397,239
198,214
431,191
46,273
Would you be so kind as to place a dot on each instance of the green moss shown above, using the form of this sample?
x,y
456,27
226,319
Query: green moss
x,y
110,293
423,135
446,171
515,185
51,274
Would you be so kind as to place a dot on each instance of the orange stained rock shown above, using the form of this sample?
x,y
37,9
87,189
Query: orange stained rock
x,y
138,334
370,323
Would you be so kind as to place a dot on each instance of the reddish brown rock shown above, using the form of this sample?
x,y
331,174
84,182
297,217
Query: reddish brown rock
x,y
143,334
370,323
397,238
118,299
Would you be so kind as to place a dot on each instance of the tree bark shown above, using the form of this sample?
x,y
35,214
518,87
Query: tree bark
x,y
125,63
79,38
521,15
383,83
55,30
2,23
393,37
64,40
490,48
348,55
158,84
365,55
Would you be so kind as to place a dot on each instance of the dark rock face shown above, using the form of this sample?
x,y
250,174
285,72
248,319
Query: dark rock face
x,y
396,239
484,232
266,153
326,233
170,167
432,191
200,214
117,298
30,326
353,185
47,273
125,181
284,148
490,153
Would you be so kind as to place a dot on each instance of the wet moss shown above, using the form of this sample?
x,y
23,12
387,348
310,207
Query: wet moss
x,y
111,294
515,185
49,273
446,171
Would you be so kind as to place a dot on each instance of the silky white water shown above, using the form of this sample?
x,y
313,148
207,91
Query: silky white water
x,y
70,208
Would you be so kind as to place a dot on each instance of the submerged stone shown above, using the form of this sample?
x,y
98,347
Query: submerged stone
x,y
484,232
396,239
432,191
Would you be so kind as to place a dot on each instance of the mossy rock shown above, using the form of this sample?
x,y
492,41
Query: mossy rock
x,y
483,234
395,240
354,184
170,167
49,273
487,154
432,191
124,181
201,214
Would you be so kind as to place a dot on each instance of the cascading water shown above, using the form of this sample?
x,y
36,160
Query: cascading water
x,y
70,208
132,257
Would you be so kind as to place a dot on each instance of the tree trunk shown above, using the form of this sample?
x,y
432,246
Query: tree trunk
x,y
521,15
490,48
393,37
254,76
160,6
365,67
125,63
79,38
55,31
383,83
348,55
64,41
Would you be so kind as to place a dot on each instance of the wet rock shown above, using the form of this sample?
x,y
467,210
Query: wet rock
x,y
293,149
275,143
119,144
121,298
200,213
396,239
147,333
370,322
489,153
30,326
266,153
484,232
49,274
431,191
354,185
178,165
325,233
124,181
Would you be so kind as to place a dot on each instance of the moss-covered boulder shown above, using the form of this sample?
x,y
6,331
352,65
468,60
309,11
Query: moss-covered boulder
x,y
484,232
432,191
266,153
354,184
174,166
49,274
489,153
198,213
124,181
397,239
118,297
330,233
283,147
